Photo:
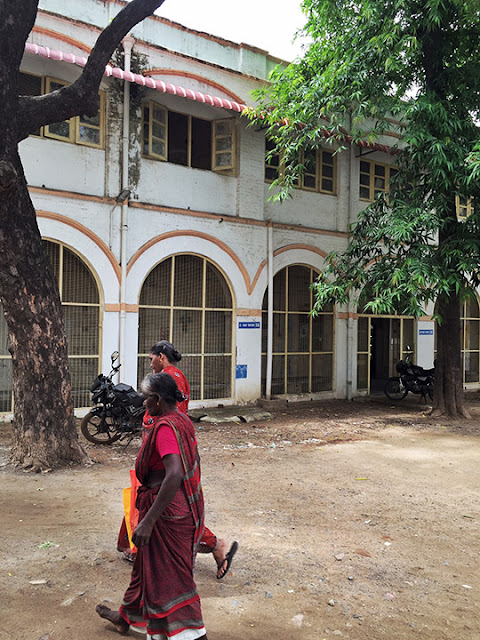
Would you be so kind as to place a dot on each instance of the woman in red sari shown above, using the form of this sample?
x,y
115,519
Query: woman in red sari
x,y
162,596
163,358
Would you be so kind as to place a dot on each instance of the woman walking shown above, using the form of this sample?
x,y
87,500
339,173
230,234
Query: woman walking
x,y
164,358
162,596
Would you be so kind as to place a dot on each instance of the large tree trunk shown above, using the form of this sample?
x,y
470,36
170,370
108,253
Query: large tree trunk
x,y
448,396
44,430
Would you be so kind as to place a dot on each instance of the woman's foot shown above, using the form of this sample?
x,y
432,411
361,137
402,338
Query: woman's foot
x,y
114,617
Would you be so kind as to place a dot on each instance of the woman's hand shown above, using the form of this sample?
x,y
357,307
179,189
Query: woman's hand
x,y
142,533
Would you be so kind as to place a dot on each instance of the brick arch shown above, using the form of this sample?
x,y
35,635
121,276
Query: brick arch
x,y
62,38
196,234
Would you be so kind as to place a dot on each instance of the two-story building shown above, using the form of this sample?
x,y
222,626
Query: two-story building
x,y
155,215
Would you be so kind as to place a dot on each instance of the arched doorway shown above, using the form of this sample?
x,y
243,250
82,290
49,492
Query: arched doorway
x,y
383,340
303,346
187,300
81,308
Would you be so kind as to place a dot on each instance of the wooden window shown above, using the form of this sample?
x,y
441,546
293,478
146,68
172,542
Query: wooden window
x,y
272,165
84,130
60,130
319,174
374,179
89,130
464,207
223,156
328,166
155,132
188,141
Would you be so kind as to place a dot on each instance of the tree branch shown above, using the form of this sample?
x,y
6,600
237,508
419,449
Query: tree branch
x,y
81,97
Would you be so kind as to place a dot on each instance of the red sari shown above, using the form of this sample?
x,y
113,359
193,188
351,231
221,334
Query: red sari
x,y
162,595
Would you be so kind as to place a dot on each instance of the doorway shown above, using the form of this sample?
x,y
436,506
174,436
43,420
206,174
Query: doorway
x,y
382,342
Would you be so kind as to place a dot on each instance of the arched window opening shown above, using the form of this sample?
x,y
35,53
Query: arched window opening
x,y
81,308
186,299
303,345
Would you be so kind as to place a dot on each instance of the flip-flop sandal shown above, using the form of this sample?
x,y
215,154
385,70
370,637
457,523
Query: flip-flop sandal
x,y
228,559
128,556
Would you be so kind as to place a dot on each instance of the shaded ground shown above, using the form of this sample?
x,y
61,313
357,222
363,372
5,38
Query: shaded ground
x,y
357,520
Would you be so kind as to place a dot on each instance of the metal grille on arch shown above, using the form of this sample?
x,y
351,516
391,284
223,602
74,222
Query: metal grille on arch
x,y
185,299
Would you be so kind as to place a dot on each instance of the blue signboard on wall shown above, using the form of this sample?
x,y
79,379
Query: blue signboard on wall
x,y
241,371
251,324
425,332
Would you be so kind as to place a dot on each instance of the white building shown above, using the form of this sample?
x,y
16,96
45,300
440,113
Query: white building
x,y
187,251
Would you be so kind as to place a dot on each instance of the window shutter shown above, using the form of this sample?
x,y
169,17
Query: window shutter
x,y
223,150
60,130
155,131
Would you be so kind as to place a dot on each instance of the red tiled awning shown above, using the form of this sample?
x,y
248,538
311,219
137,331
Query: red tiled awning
x,y
174,90
158,85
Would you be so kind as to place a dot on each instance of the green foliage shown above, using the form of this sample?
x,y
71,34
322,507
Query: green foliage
x,y
410,68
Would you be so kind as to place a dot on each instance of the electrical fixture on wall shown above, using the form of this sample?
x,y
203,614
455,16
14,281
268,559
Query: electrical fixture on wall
x,y
123,195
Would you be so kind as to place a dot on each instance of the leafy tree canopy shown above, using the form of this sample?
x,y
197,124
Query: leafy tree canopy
x,y
410,68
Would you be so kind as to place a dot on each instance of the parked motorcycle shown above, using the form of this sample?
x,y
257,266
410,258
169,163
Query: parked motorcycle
x,y
118,412
412,378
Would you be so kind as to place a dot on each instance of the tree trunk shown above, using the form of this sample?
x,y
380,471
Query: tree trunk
x,y
45,436
44,430
448,396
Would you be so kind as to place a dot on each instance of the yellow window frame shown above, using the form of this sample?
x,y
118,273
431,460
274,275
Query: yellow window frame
x,y
71,128
152,107
373,188
223,145
319,168
464,208
76,122
88,125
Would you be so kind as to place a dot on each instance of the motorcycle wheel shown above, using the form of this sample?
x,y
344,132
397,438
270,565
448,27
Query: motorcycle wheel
x,y
394,389
99,429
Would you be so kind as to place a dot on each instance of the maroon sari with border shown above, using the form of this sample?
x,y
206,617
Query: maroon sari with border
x,y
162,595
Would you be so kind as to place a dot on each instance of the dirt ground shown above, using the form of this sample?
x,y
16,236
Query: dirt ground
x,y
355,519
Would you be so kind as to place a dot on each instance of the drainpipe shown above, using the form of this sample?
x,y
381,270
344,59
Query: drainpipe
x,y
127,43
268,390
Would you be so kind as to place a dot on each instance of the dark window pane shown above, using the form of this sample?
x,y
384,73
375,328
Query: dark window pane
x,y
322,369
187,331
218,332
177,138
217,292
278,331
153,325
217,377
299,279
278,374
78,283
201,144
191,367
297,374
156,288
188,281
298,332
80,325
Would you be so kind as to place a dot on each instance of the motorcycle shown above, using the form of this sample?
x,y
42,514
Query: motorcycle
x,y
412,378
118,412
